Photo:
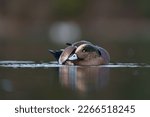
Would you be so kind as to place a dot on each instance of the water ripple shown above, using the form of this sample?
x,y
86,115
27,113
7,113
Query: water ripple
x,y
33,64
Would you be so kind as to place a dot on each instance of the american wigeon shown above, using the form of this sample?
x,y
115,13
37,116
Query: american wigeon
x,y
82,53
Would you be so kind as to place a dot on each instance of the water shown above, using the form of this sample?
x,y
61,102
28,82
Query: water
x,y
48,80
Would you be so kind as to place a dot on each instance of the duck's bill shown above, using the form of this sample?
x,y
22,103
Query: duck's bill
x,y
73,57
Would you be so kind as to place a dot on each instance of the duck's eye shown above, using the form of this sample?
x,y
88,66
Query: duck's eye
x,y
84,50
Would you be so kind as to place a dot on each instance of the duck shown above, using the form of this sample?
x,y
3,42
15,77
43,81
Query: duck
x,y
81,53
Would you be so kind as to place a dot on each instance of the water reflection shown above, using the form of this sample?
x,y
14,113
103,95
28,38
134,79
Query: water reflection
x,y
84,79
7,85
48,80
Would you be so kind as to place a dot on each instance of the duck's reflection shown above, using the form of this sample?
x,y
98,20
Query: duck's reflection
x,y
84,79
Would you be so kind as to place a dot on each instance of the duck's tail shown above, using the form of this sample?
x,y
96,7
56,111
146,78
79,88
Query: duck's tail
x,y
56,53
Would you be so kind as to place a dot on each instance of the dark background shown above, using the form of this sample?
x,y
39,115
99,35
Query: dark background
x,y
29,27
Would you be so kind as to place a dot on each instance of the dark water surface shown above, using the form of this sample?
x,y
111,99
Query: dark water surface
x,y
31,80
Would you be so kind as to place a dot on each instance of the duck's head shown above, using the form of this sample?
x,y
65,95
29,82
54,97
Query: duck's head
x,y
85,52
